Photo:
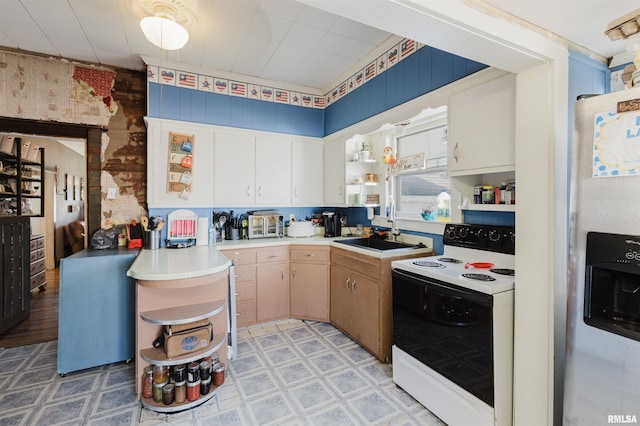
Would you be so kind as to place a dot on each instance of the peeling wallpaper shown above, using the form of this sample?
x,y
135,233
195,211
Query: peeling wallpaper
x,y
56,90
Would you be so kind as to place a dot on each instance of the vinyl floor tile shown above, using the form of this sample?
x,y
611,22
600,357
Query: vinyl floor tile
x,y
287,373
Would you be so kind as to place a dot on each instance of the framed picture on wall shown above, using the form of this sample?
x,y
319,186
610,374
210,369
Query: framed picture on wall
x,y
68,188
76,188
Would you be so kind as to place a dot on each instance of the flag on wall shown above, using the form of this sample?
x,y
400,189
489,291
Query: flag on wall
x,y
187,80
370,71
407,47
318,101
359,78
237,89
282,96
342,90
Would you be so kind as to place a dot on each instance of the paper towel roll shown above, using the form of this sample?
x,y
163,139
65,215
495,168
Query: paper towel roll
x,y
370,213
202,234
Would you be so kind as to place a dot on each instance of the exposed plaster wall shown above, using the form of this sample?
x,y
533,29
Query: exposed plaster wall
x,y
45,89
124,152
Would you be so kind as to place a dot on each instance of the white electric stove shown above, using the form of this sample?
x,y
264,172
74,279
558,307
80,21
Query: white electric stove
x,y
453,326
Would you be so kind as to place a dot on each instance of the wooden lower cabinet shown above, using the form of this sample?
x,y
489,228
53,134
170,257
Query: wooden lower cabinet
x,y
272,284
309,283
245,277
361,303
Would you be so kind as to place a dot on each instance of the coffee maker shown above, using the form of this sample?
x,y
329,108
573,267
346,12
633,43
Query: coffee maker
x,y
332,223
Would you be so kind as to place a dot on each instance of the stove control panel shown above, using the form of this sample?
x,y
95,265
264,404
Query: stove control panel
x,y
500,239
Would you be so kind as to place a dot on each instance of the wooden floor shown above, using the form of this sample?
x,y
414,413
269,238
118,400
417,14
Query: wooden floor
x,y
42,324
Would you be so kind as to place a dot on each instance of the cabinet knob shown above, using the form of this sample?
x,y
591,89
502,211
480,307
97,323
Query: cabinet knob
x,y
295,192
282,273
340,190
271,256
238,314
353,286
308,255
259,191
248,190
293,272
239,293
455,152
346,284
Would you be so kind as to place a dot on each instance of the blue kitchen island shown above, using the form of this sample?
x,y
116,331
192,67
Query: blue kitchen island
x,y
96,323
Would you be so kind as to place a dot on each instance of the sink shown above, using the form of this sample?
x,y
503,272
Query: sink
x,y
378,244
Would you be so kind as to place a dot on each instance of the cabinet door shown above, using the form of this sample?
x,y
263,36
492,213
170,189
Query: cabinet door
x,y
15,296
365,312
307,186
273,171
341,298
310,291
334,174
234,168
272,291
482,127
157,156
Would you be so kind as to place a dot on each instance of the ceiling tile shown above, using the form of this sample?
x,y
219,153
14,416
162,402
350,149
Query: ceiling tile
x,y
284,61
344,46
254,56
304,36
285,9
357,31
317,18
271,27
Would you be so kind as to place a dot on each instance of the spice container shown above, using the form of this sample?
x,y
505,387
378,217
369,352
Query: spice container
x,y
193,373
168,394
157,390
193,390
147,382
180,373
218,374
205,386
205,370
477,194
160,374
180,392
488,194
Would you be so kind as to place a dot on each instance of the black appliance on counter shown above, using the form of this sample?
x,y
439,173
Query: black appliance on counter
x,y
332,223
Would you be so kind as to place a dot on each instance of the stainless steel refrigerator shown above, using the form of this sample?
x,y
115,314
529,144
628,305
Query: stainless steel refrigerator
x,y
602,371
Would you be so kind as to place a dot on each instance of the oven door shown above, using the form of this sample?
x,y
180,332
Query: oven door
x,y
446,327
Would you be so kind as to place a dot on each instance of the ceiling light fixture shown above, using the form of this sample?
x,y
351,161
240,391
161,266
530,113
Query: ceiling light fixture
x,y
624,26
167,27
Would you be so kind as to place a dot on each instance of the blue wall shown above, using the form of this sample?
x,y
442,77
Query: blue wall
x,y
178,103
425,70
418,74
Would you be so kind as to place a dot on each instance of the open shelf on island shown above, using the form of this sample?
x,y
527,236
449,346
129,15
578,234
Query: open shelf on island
x,y
160,407
183,314
157,356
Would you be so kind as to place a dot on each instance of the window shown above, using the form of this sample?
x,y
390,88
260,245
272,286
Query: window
x,y
416,190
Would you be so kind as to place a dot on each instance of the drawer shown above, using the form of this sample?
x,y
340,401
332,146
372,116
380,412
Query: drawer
x,y
33,244
246,291
275,254
36,267
40,242
240,257
38,280
245,313
36,255
246,273
310,254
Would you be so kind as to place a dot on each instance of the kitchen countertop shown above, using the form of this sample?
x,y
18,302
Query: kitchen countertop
x,y
320,240
176,264
197,261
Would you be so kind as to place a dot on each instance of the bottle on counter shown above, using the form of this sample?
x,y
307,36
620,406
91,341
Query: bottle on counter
x,y
444,206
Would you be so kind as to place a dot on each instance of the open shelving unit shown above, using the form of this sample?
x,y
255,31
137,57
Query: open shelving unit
x,y
21,178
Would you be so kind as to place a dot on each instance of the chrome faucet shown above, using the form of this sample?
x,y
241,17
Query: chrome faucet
x,y
395,232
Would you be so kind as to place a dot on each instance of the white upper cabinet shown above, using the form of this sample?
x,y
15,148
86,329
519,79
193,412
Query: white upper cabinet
x,y
273,171
307,186
234,168
201,194
334,172
482,128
